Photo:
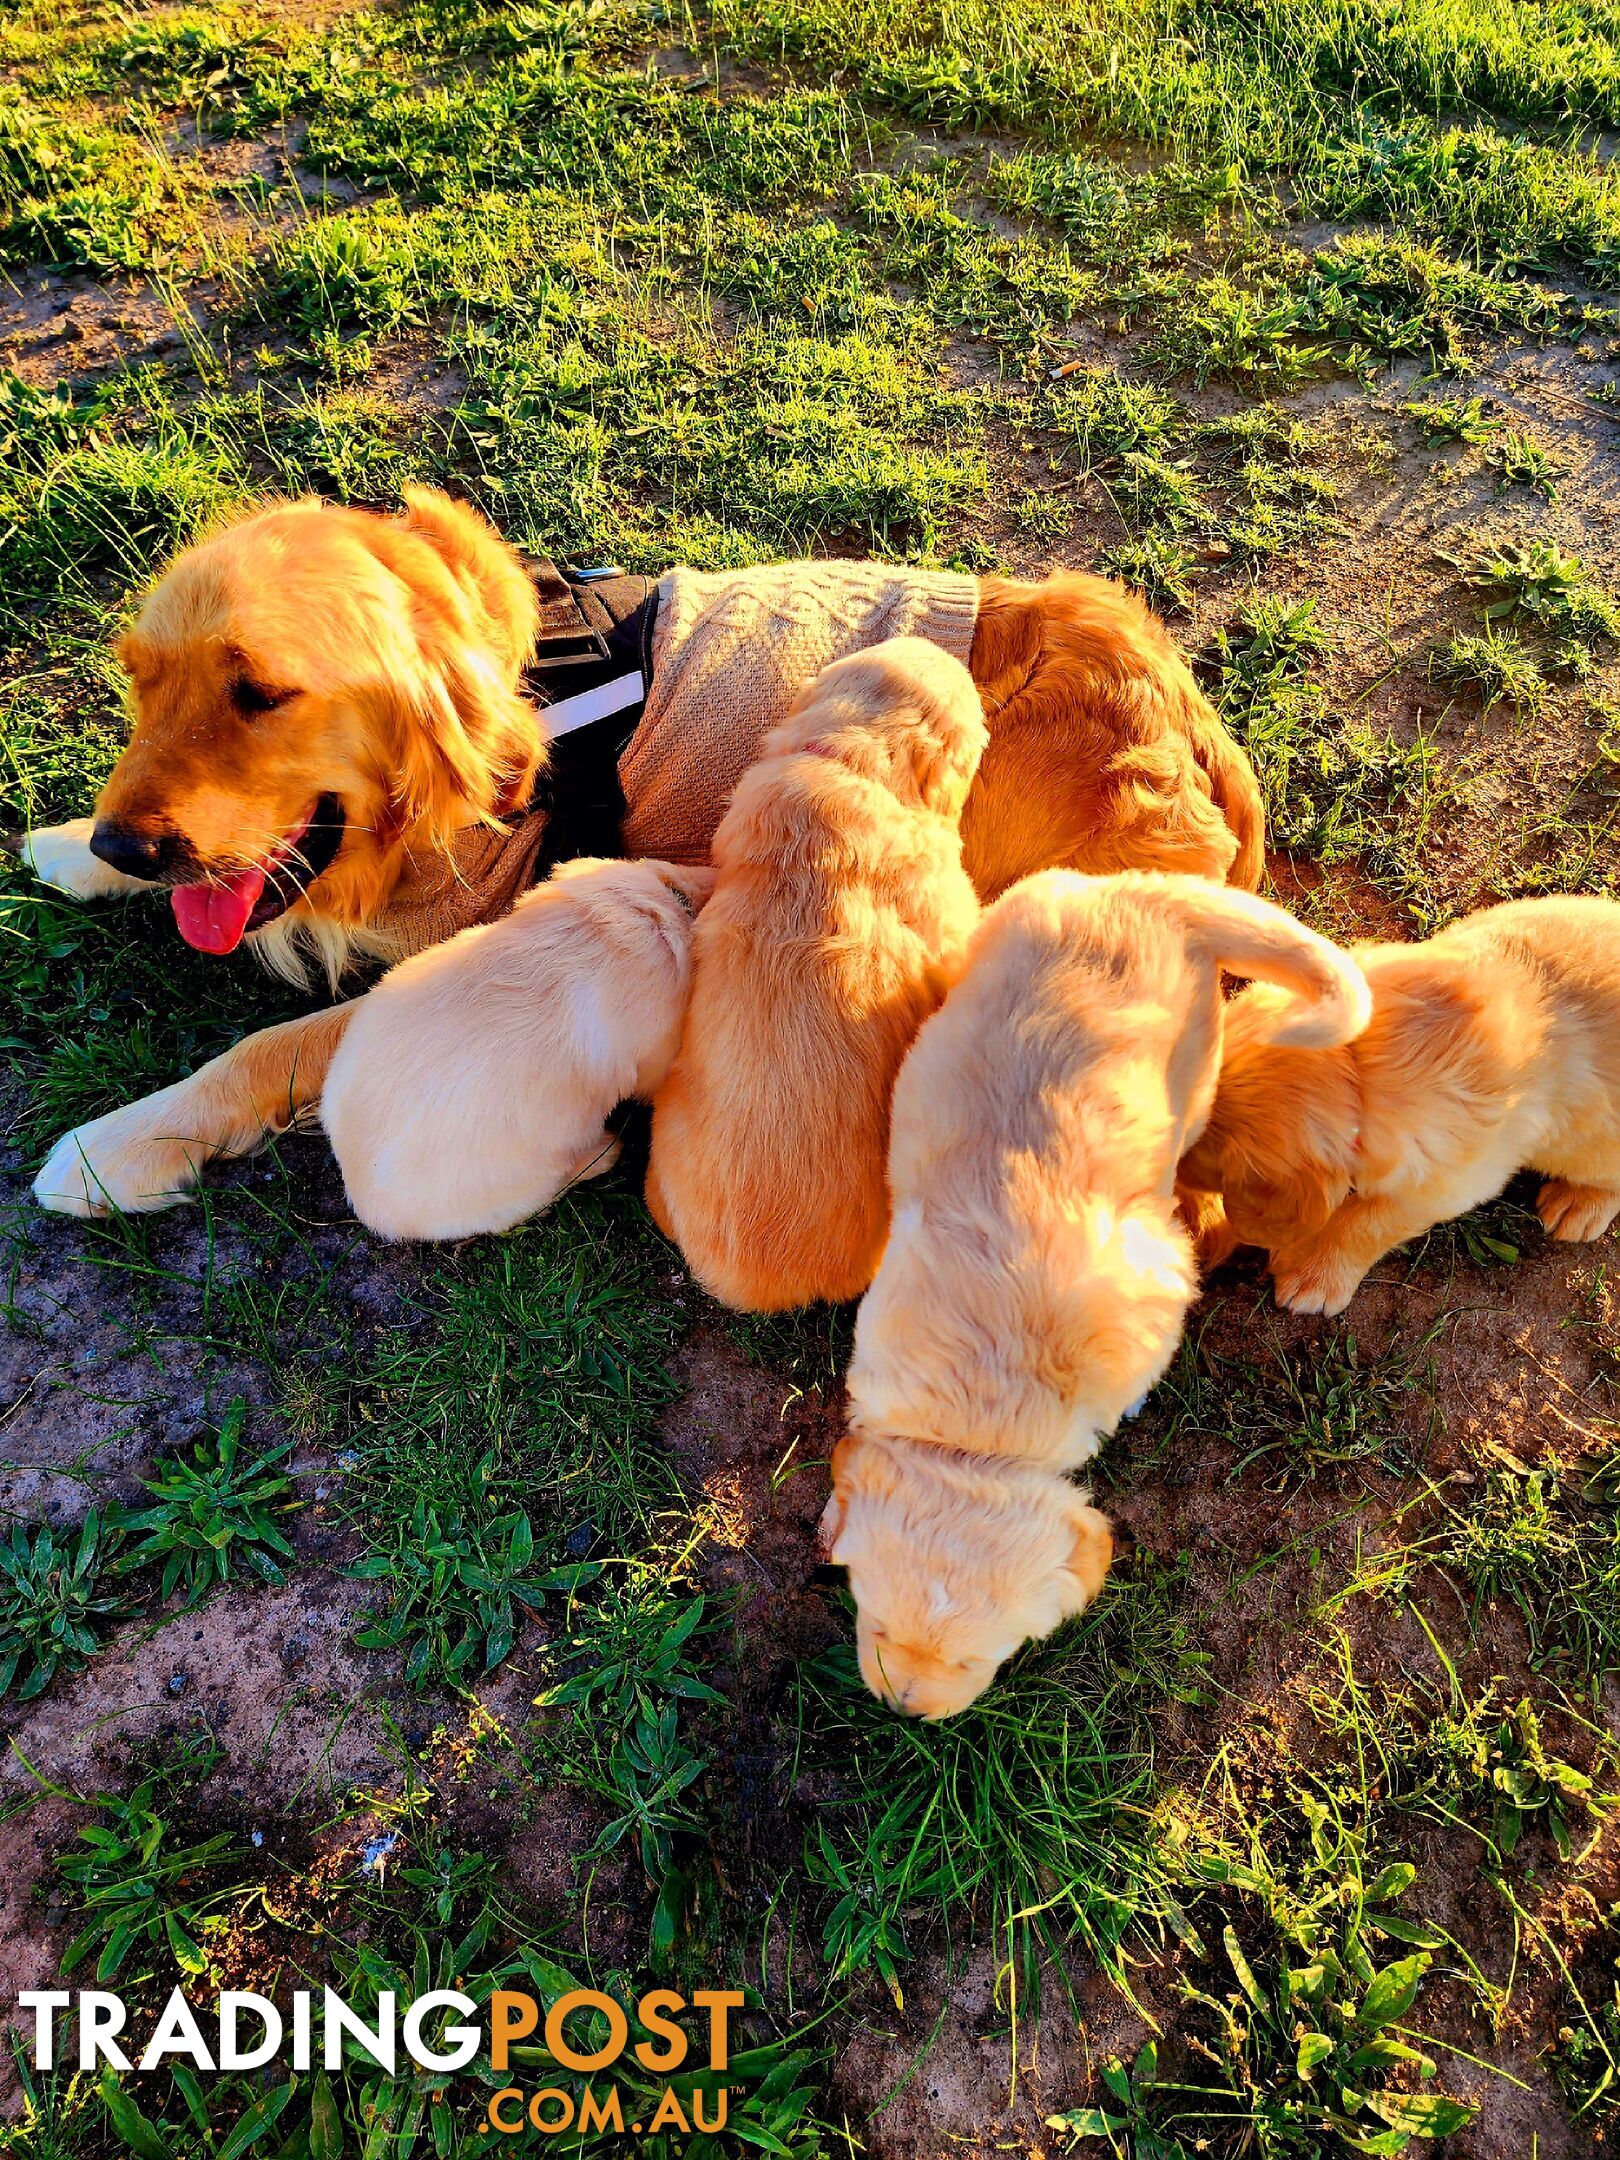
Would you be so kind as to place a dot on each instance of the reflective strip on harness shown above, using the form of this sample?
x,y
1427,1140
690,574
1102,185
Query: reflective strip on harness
x,y
599,704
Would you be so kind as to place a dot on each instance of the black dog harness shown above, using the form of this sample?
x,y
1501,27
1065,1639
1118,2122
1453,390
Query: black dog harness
x,y
590,677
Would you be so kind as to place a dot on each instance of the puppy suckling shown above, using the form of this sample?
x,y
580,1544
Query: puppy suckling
x,y
839,916
1037,1274
1493,1048
473,1082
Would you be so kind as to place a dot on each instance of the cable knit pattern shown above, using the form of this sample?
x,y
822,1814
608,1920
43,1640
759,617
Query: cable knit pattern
x,y
732,650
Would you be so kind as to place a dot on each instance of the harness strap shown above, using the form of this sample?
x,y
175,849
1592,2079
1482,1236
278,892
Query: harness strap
x,y
590,677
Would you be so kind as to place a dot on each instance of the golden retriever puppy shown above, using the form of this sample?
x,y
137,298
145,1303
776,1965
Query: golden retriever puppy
x,y
1037,1273
840,911
1492,1048
955,1563
472,1085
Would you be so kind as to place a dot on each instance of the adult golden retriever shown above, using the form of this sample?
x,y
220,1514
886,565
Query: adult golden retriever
x,y
333,754
1493,1047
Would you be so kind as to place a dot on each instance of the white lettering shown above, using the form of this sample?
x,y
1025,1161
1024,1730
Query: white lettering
x,y
232,2054
44,2003
100,2016
178,2033
337,2019
301,2023
464,2040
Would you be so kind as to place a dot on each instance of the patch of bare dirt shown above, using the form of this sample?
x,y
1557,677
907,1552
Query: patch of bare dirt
x,y
948,2070
58,325
109,1361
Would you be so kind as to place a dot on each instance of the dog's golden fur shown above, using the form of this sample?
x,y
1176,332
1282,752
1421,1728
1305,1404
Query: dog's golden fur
x,y
840,911
391,650
473,1083
1037,1274
1104,754
1493,1048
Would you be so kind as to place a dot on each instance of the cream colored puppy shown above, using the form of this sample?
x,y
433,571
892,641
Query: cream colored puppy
x,y
1037,1274
473,1081
1493,1048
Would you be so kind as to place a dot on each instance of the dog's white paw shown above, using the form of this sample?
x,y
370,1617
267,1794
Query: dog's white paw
x,y
127,1161
60,855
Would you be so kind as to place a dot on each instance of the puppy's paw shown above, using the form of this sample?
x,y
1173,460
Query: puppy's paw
x,y
598,1161
1204,1214
1313,1282
125,1161
1576,1212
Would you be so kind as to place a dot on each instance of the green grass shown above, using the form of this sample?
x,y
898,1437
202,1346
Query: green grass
x,y
1336,789
1530,1539
1493,666
988,287
1028,1819
53,1602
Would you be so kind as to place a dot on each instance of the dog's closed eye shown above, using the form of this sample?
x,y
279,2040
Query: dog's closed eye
x,y
253,698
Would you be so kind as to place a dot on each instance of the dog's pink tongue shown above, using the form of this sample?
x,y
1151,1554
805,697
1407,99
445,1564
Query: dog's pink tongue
x,y
214,917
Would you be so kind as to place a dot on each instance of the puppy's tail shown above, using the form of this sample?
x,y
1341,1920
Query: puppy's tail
x,y
1248,936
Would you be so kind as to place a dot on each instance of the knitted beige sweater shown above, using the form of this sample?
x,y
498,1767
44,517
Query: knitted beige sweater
x,y
731,651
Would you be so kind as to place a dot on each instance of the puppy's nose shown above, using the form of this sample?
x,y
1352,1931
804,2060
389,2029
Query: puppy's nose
x,y
136,854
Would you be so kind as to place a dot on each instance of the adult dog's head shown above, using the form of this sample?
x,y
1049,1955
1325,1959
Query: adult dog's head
x,y
954,1561
318,695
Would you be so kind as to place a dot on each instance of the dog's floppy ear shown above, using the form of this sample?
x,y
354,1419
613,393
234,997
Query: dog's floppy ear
x,y
456,740
1204,1214
1280,1145
456,735
488,571
1090,1557
831,1526
946,743
834,1515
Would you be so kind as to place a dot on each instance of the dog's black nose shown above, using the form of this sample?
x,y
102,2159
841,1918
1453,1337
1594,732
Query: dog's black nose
x,y
137,855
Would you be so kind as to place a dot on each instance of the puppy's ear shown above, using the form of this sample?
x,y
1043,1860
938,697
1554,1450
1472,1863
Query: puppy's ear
x,y
834,1515
945,746
135,656
487,570
693,881
1204,1213
1089,1559
831,1526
